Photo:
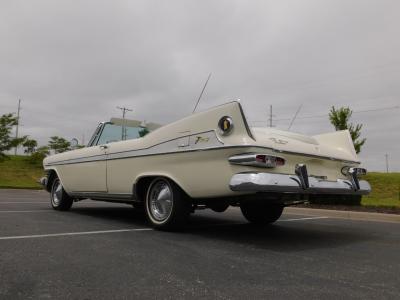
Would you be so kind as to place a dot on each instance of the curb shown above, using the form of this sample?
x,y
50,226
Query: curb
x,y
349,215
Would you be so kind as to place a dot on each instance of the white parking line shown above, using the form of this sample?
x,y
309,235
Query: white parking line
x,y
26,211
34,202
23,202
17,237
301,219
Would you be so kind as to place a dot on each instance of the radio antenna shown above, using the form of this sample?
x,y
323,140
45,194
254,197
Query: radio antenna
x,y
295,116
201,94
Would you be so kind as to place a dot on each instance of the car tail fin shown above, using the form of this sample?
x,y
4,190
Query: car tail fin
x,y
340,140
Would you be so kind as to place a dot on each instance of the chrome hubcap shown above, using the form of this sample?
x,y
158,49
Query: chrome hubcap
x,y
160,201
57,193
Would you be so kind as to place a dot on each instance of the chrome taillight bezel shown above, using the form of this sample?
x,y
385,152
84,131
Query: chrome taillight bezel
x,y
257,160
225,125
346,170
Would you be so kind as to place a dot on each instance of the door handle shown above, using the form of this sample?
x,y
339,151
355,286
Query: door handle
x,y
103,147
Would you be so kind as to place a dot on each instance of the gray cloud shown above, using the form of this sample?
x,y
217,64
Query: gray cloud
x,y
73,62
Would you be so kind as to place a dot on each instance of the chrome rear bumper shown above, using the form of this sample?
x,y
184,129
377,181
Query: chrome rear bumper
x,y
268,182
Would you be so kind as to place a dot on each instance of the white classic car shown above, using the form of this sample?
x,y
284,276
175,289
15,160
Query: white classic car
x,y
210,159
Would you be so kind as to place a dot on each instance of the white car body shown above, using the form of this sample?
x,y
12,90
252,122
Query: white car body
x,y
208,163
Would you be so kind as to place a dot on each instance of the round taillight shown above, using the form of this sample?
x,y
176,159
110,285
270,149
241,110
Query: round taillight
x,y
225,125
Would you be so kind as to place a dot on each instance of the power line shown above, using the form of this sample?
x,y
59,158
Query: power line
x,y
354,112
325,115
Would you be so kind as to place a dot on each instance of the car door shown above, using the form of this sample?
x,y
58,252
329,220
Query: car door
x,y
87,173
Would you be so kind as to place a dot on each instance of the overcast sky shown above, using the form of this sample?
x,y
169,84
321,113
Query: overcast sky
x,y
73,62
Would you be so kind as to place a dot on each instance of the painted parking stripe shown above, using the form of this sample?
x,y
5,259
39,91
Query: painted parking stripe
x,y
34,202
17,237
23,202
26,211
302,219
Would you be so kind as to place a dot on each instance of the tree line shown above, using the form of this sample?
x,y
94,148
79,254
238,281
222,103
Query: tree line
x,y
339,118
30,146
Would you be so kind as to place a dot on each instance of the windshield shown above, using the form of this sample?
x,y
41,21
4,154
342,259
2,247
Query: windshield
x,y
108,132
114,133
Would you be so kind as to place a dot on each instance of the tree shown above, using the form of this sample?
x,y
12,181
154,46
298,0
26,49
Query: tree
x,y
340,120
58,144
29,145
143,132
7,121
38,156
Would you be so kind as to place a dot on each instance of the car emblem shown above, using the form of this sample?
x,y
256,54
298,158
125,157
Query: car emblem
x,y
225,124
200,139
279,141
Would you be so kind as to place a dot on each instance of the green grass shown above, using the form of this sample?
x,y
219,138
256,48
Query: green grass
x,y
18,173
385,190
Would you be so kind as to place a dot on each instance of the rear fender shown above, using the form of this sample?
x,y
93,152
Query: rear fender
x,y
142,181
339,140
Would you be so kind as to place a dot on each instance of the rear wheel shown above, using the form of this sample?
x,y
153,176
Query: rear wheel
x,y
261,213
60,200
167,206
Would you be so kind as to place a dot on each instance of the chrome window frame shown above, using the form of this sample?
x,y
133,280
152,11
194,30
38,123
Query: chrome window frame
x,y
96,135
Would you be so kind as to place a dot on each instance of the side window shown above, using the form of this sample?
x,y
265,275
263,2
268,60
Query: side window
x,y
114,133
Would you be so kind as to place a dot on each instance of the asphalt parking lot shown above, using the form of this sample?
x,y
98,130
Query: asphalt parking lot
x,y
107,251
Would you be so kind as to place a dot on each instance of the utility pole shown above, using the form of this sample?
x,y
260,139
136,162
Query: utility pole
x,y
387,162
124,110
270,116
16,130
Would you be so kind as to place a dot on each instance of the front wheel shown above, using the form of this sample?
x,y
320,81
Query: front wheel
x,y
167,206
60,200
261,213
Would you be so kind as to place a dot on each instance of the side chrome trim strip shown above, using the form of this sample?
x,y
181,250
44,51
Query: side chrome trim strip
x,y
171,147
102,157
315,156
100,195
166,147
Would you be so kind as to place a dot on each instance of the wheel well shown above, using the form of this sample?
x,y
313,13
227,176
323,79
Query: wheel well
x,y
140,187
51,175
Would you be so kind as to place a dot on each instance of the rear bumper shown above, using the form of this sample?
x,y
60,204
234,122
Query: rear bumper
x,y
268,182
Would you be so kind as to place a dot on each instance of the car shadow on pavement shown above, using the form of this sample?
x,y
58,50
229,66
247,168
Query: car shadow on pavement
x,y
285,236
124,214
281,236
